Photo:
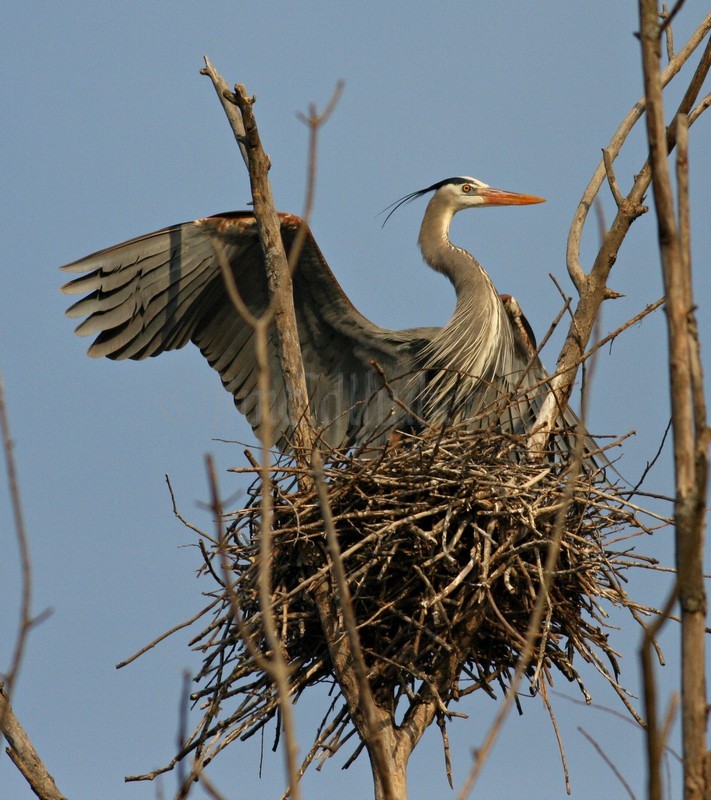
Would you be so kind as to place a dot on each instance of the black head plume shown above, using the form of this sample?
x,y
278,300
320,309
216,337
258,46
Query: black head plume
x,y
408,198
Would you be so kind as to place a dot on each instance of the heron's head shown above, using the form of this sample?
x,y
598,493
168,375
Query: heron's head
x,y
463,192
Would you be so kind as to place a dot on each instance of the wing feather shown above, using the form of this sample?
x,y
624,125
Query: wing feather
x,y
162,290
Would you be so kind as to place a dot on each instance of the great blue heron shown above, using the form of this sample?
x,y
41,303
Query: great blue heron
x,y
162,290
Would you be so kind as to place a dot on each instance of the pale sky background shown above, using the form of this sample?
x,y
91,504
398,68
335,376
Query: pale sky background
x,y
108,131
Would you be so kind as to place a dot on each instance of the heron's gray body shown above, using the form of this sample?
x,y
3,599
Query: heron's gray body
x,y
162,290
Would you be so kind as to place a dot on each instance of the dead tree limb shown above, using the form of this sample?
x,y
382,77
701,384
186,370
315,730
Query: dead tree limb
x,y
279,279
690,431
345,649
20,749
24,756
280,313
26,621
592,287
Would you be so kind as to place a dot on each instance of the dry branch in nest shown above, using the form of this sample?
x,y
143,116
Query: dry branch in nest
x,y
444,541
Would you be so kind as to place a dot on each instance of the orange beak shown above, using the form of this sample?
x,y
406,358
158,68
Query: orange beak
x,y
499,197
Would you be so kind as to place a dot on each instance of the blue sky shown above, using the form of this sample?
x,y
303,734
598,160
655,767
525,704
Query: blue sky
x,y
108,131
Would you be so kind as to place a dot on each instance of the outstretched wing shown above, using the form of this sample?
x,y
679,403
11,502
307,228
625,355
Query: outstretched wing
x,y
162,290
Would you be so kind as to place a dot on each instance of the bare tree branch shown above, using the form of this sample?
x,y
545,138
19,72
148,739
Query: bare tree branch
x,y
279,281
20,748
345,649
226,99
25,622
592,287
609,763
281,309
690,431
618,139
24,756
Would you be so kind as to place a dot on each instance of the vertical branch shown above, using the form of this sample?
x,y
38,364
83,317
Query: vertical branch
x,y
313,121
20,749
224,95
279,668
238,108
345,650
653,738
688,408
280,284
280,312
22,544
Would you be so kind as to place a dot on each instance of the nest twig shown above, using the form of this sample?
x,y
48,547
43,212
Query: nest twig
x,y
443,541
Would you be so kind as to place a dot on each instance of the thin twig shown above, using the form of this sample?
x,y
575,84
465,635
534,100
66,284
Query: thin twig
x,y
667,18
314,121
611,179
25,620
609,763
186,624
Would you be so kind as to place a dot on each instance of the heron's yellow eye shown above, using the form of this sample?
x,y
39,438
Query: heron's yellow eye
x,y
466,188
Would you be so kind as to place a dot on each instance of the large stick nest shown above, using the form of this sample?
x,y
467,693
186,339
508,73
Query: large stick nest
x,y
444,543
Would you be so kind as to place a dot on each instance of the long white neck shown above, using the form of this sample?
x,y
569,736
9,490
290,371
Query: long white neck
x,y
475,291
437,250
468,349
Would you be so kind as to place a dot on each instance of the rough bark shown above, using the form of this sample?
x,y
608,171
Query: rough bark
x,y
691,435
24,756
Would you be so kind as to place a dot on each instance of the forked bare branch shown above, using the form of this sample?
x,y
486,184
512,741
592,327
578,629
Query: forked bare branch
x,y
592,287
